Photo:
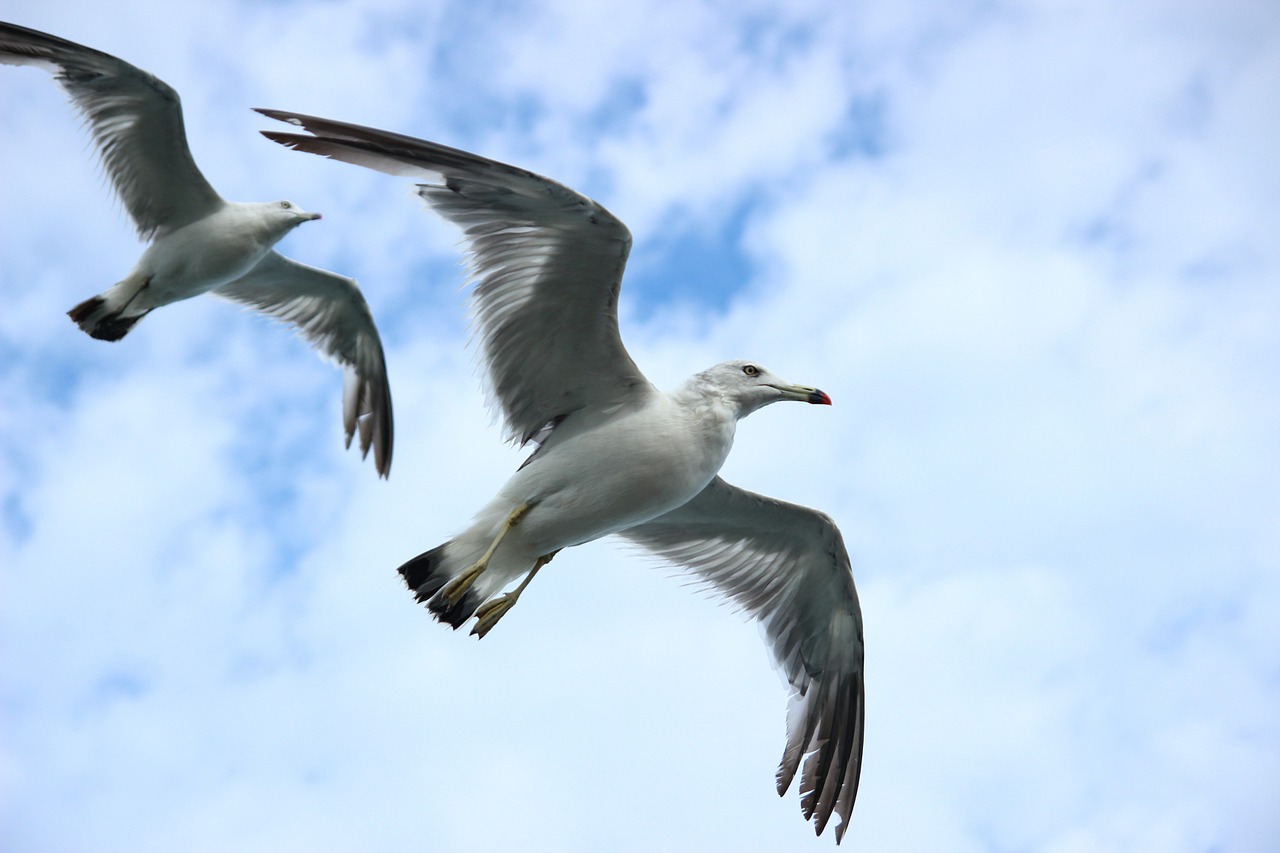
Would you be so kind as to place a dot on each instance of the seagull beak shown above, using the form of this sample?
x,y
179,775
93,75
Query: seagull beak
x,y
311,216
803,393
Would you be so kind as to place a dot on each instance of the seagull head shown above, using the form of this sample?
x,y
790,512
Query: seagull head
x,y
750,386
288,215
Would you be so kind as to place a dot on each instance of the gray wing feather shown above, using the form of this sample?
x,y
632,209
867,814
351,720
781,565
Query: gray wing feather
x,y
787,566
547,264
331,313
136,122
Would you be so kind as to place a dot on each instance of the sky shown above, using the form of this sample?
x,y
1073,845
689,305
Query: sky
x,y
1028,248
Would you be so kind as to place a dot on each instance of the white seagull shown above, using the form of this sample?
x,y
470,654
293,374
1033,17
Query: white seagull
x,y
202,243
615,454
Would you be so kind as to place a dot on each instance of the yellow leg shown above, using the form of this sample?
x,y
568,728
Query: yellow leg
x,y
488,614
456,588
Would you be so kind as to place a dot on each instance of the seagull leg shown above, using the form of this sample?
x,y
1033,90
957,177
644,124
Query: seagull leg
x,y
456,588
488,614
145,284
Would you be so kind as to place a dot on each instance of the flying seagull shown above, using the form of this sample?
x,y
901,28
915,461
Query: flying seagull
x,y
200,242
616,455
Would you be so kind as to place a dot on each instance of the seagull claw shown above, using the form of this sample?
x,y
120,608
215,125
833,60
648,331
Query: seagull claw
x,y
488,614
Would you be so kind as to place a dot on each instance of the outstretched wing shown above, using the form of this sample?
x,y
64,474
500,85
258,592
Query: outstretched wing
x,y
547,263
136,122
331,313
787,566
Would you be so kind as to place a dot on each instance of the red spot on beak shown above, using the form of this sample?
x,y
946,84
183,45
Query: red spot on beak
x,y
819,398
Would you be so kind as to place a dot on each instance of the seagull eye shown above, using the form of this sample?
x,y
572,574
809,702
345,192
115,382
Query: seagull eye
x,y
751,370
286,205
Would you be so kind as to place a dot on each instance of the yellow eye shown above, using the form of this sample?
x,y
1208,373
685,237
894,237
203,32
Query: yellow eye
x,y
751,370
285,205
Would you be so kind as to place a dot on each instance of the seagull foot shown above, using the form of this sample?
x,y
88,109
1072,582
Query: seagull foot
x,y
488,614
456,588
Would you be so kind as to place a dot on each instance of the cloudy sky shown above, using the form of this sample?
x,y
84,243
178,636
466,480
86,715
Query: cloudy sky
x,y
1030,250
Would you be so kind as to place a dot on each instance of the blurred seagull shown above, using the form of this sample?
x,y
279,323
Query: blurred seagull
x,y
616,455
202,243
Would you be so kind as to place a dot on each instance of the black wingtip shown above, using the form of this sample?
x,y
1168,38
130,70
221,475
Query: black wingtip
x,y
384,438
289,140
279,115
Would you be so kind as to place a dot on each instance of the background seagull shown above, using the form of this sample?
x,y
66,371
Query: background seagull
x,y
202,243
616,455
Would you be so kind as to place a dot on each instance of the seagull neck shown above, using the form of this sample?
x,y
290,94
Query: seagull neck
x,y
708,405
711,399
703,421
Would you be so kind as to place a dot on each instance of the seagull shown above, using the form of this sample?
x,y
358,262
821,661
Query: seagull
x,y
616,455
201,243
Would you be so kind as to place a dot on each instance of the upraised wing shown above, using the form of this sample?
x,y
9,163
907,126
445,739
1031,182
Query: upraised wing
x,y
331,313
787,566
547,263
136,121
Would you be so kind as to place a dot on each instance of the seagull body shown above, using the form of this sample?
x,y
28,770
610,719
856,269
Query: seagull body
x,y
605,472
614,454
215,250
201,243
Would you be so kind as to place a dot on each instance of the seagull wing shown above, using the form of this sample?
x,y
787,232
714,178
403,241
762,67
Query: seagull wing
x,y
547,263
136,122
787,566
331,313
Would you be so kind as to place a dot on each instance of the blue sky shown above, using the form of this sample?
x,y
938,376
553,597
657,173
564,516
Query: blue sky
x,y
1029,250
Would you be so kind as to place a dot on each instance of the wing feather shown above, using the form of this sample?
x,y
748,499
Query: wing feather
x,y
136,122
547,264
331,313
787,566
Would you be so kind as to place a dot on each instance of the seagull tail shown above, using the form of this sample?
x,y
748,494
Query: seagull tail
x,y
99,321
426,575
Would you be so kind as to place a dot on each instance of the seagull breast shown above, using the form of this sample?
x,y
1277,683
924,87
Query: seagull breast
x,y
589,481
